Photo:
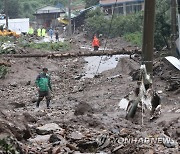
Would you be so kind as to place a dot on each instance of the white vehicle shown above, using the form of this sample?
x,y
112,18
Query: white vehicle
x,y
19,26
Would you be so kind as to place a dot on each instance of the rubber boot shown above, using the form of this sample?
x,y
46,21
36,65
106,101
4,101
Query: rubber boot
x,y
37,104
48,102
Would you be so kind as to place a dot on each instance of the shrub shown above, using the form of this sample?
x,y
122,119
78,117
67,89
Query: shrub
x,y
57,46
97,23
6,39
6,147
135,38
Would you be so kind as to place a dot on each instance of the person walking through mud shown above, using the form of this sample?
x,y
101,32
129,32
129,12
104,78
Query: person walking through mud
x,y
95,43
43,83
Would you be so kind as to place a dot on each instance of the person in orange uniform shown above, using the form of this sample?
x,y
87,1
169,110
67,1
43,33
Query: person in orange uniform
x,y
95,43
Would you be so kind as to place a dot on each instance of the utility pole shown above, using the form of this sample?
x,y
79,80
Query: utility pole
x,y
173,27
70,24
178,44
148,35
6,12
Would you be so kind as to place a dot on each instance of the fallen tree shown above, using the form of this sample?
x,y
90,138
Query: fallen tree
x,y
76,54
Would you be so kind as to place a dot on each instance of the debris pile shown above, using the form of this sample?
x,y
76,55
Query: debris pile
x,y
84,116
8,33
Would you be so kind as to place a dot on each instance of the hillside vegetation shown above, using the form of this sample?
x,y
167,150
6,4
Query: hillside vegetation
x,y
24,8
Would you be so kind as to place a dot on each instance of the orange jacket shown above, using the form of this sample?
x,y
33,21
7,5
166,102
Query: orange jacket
x,y
95,42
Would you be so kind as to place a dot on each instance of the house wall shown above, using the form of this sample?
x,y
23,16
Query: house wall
x,y
47,20
124,8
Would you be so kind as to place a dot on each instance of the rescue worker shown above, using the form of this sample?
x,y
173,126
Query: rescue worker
x,y
43,32
95,43
39,32
31,31
43,83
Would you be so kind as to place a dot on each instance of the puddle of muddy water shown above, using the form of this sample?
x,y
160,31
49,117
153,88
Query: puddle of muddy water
x,y
97,64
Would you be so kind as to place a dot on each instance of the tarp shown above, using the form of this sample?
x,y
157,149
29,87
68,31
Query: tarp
x,y
174,61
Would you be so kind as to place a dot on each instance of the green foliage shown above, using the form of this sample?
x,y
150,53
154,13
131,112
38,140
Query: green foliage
x,y
162,24
9,46
7,51
58,46
26,8
135,38
6,147
91,3
13,8
1,6
95,13
122,25
3,72
97,23
5,39
131,26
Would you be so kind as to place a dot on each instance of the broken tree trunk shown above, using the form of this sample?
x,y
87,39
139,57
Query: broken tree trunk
x,y
77,54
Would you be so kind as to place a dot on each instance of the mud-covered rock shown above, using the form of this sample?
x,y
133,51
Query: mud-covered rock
x,y
57,139
29,117
47,129
88,146
83,108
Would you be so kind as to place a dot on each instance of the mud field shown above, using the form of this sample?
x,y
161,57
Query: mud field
x,y
85,116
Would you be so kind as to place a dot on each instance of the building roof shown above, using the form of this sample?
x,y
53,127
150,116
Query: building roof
x,y
49,9
78,7
111,2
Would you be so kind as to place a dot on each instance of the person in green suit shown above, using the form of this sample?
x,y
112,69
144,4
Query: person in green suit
x,y
43,83
31,31
39,32
43,32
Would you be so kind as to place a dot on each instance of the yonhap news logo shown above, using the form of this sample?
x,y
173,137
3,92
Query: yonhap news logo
x,y
146,140
105,139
